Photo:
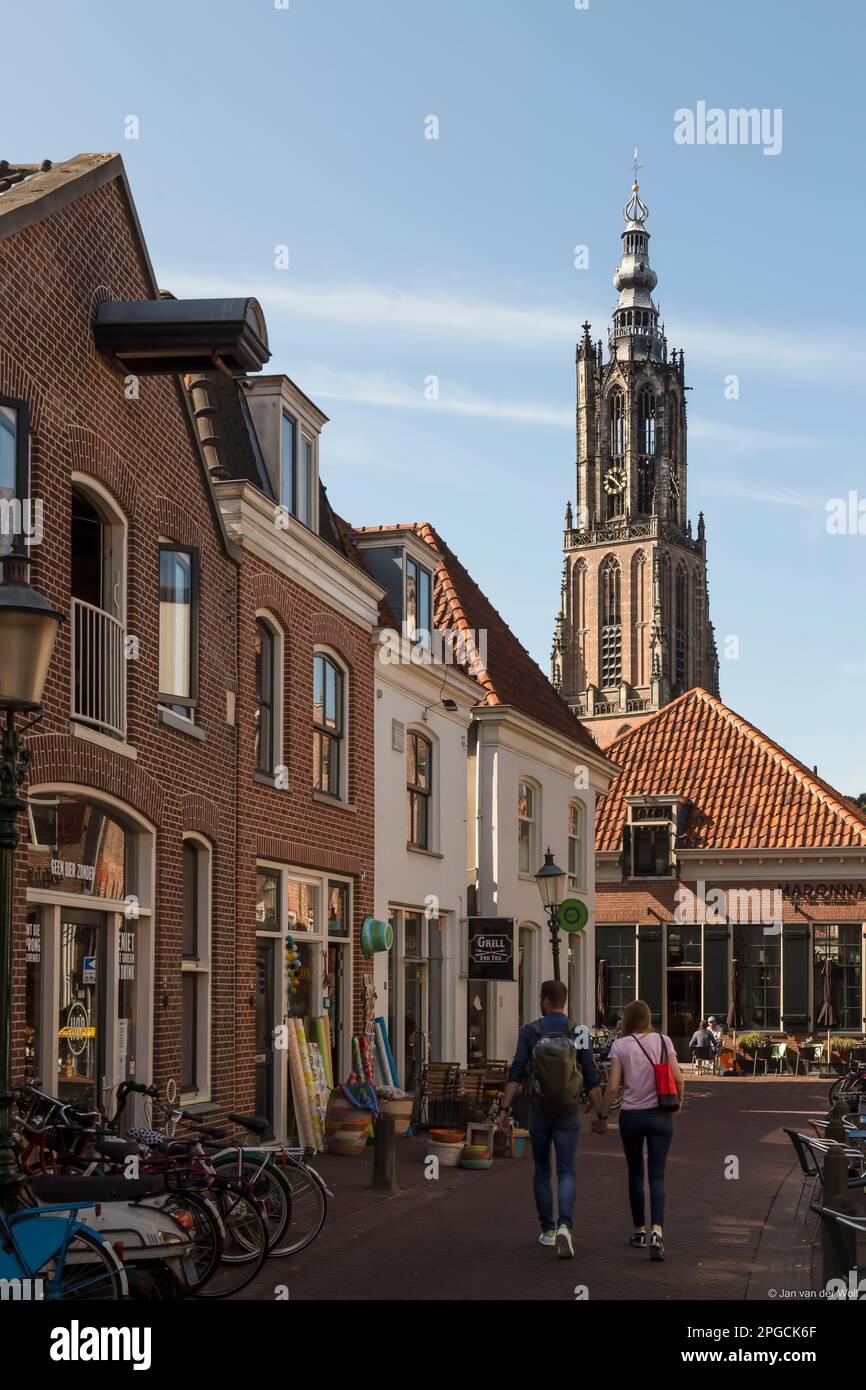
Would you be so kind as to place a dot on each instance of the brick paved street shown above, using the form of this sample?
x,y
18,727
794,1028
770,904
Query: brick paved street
x,y
472,1235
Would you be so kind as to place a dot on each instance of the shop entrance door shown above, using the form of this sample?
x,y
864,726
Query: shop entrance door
x,y
81,1025
684,1008
265,962
415,996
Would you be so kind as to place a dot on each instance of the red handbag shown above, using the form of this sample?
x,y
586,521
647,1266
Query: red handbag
x,y
666,1086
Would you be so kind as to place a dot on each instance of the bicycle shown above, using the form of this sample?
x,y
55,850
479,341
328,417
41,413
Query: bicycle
x,y
70,1260
852,1086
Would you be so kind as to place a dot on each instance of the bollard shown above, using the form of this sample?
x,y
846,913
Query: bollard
x,y
835,1129
385,1155
839,1244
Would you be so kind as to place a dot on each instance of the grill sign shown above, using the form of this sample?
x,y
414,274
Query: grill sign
x,y
491,948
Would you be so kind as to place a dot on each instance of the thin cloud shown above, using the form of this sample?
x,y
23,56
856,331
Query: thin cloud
x,y
366,388
442,317
731,487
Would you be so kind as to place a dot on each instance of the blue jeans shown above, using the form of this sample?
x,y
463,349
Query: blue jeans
x,y
562,1132
655,1128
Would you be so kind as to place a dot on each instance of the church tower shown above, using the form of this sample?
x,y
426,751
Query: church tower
x,y
633,630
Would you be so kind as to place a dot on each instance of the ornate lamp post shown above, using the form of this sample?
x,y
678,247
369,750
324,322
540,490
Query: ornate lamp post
x,y
551,886
28,627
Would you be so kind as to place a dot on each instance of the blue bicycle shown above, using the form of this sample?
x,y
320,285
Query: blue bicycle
x,y
47,1253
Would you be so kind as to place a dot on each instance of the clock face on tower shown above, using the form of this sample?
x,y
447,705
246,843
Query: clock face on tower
x,y
614,479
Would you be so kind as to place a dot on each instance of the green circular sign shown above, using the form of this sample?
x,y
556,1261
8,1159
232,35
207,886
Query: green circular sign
x,y
572,915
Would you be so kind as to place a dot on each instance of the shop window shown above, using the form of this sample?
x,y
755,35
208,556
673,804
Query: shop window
x,y
302,906
338,909
178,624
615,971
79,846
842,944
527,1002
195,969
329,769
527,827
759,969
575,844
14,468
419,786
32,995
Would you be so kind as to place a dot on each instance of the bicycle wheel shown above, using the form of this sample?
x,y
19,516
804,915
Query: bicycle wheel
x,y
245,1241
205,1232
90,1271
308,1208
264,1181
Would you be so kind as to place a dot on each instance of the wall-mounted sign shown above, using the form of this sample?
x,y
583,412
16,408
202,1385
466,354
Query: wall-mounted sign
x,y
126,955
88,973
572,915
491,948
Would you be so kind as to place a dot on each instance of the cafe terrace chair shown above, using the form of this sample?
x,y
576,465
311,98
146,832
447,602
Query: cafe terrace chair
x,y
763,1053
832,1221
702,1058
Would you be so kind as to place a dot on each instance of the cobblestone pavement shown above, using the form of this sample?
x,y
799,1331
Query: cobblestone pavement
x,y
472,1235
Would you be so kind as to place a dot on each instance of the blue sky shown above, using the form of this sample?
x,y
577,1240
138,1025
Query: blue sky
x,y
409,258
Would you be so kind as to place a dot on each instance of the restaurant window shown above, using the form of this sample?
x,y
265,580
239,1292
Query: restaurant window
x,y
14,485
759,962
419,783
178,619
527,827
195,969
265,651
328,715
842,944
615,972
419,602
575,844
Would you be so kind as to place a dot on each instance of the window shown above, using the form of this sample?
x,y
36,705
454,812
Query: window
x,y
617,426
615,973
265,697
527,990
640,610
178,620
14,484
651,850
419,602
328,699
267,900
195,968
842,945
297,473
611,623
419,783
759,959
575,844
527,818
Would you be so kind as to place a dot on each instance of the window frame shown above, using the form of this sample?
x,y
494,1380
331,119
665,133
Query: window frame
x,y
184,706
533,822
338,736
267,699
576,880
422,628
303,464
416,793
200,966
21,482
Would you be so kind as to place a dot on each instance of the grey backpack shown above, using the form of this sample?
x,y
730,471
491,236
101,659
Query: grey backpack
x,y
555,1075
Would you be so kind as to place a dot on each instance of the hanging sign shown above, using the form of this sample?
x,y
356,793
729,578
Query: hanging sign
x,y
572,915
491,948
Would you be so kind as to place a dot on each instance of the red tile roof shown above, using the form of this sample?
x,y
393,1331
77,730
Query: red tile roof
x,y
745,791
507,673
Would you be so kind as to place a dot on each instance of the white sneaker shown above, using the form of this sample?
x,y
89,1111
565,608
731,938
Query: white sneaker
x,y
547,1237
564,1247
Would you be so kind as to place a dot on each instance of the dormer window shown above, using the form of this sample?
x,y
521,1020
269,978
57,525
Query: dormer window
x,y
297,472
419,602
649,839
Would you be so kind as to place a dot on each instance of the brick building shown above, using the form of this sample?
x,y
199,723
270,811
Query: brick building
x,y
188,880
728,875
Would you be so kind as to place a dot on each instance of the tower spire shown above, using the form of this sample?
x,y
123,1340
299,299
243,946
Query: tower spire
x,y
635,331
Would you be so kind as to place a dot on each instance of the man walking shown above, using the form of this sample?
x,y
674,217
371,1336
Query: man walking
x,y
557,1070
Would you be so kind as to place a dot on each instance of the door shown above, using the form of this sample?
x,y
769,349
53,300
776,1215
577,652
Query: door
x,y
265,1000
415,992
81,1030
684,1008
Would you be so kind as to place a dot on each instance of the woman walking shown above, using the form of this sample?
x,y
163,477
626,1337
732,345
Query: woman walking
x,y
642,1120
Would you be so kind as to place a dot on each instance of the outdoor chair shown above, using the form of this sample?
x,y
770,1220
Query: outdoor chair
x,y
809,1169
858,1054
779,1056
437,1101
763,1053
832,1221
808,1058
702,1058
469,1095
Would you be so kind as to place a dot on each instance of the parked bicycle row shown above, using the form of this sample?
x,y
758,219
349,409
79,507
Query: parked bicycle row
x,y
95,1213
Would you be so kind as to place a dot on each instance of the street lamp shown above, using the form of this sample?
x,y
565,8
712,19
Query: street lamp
x,y
28,627
551,886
